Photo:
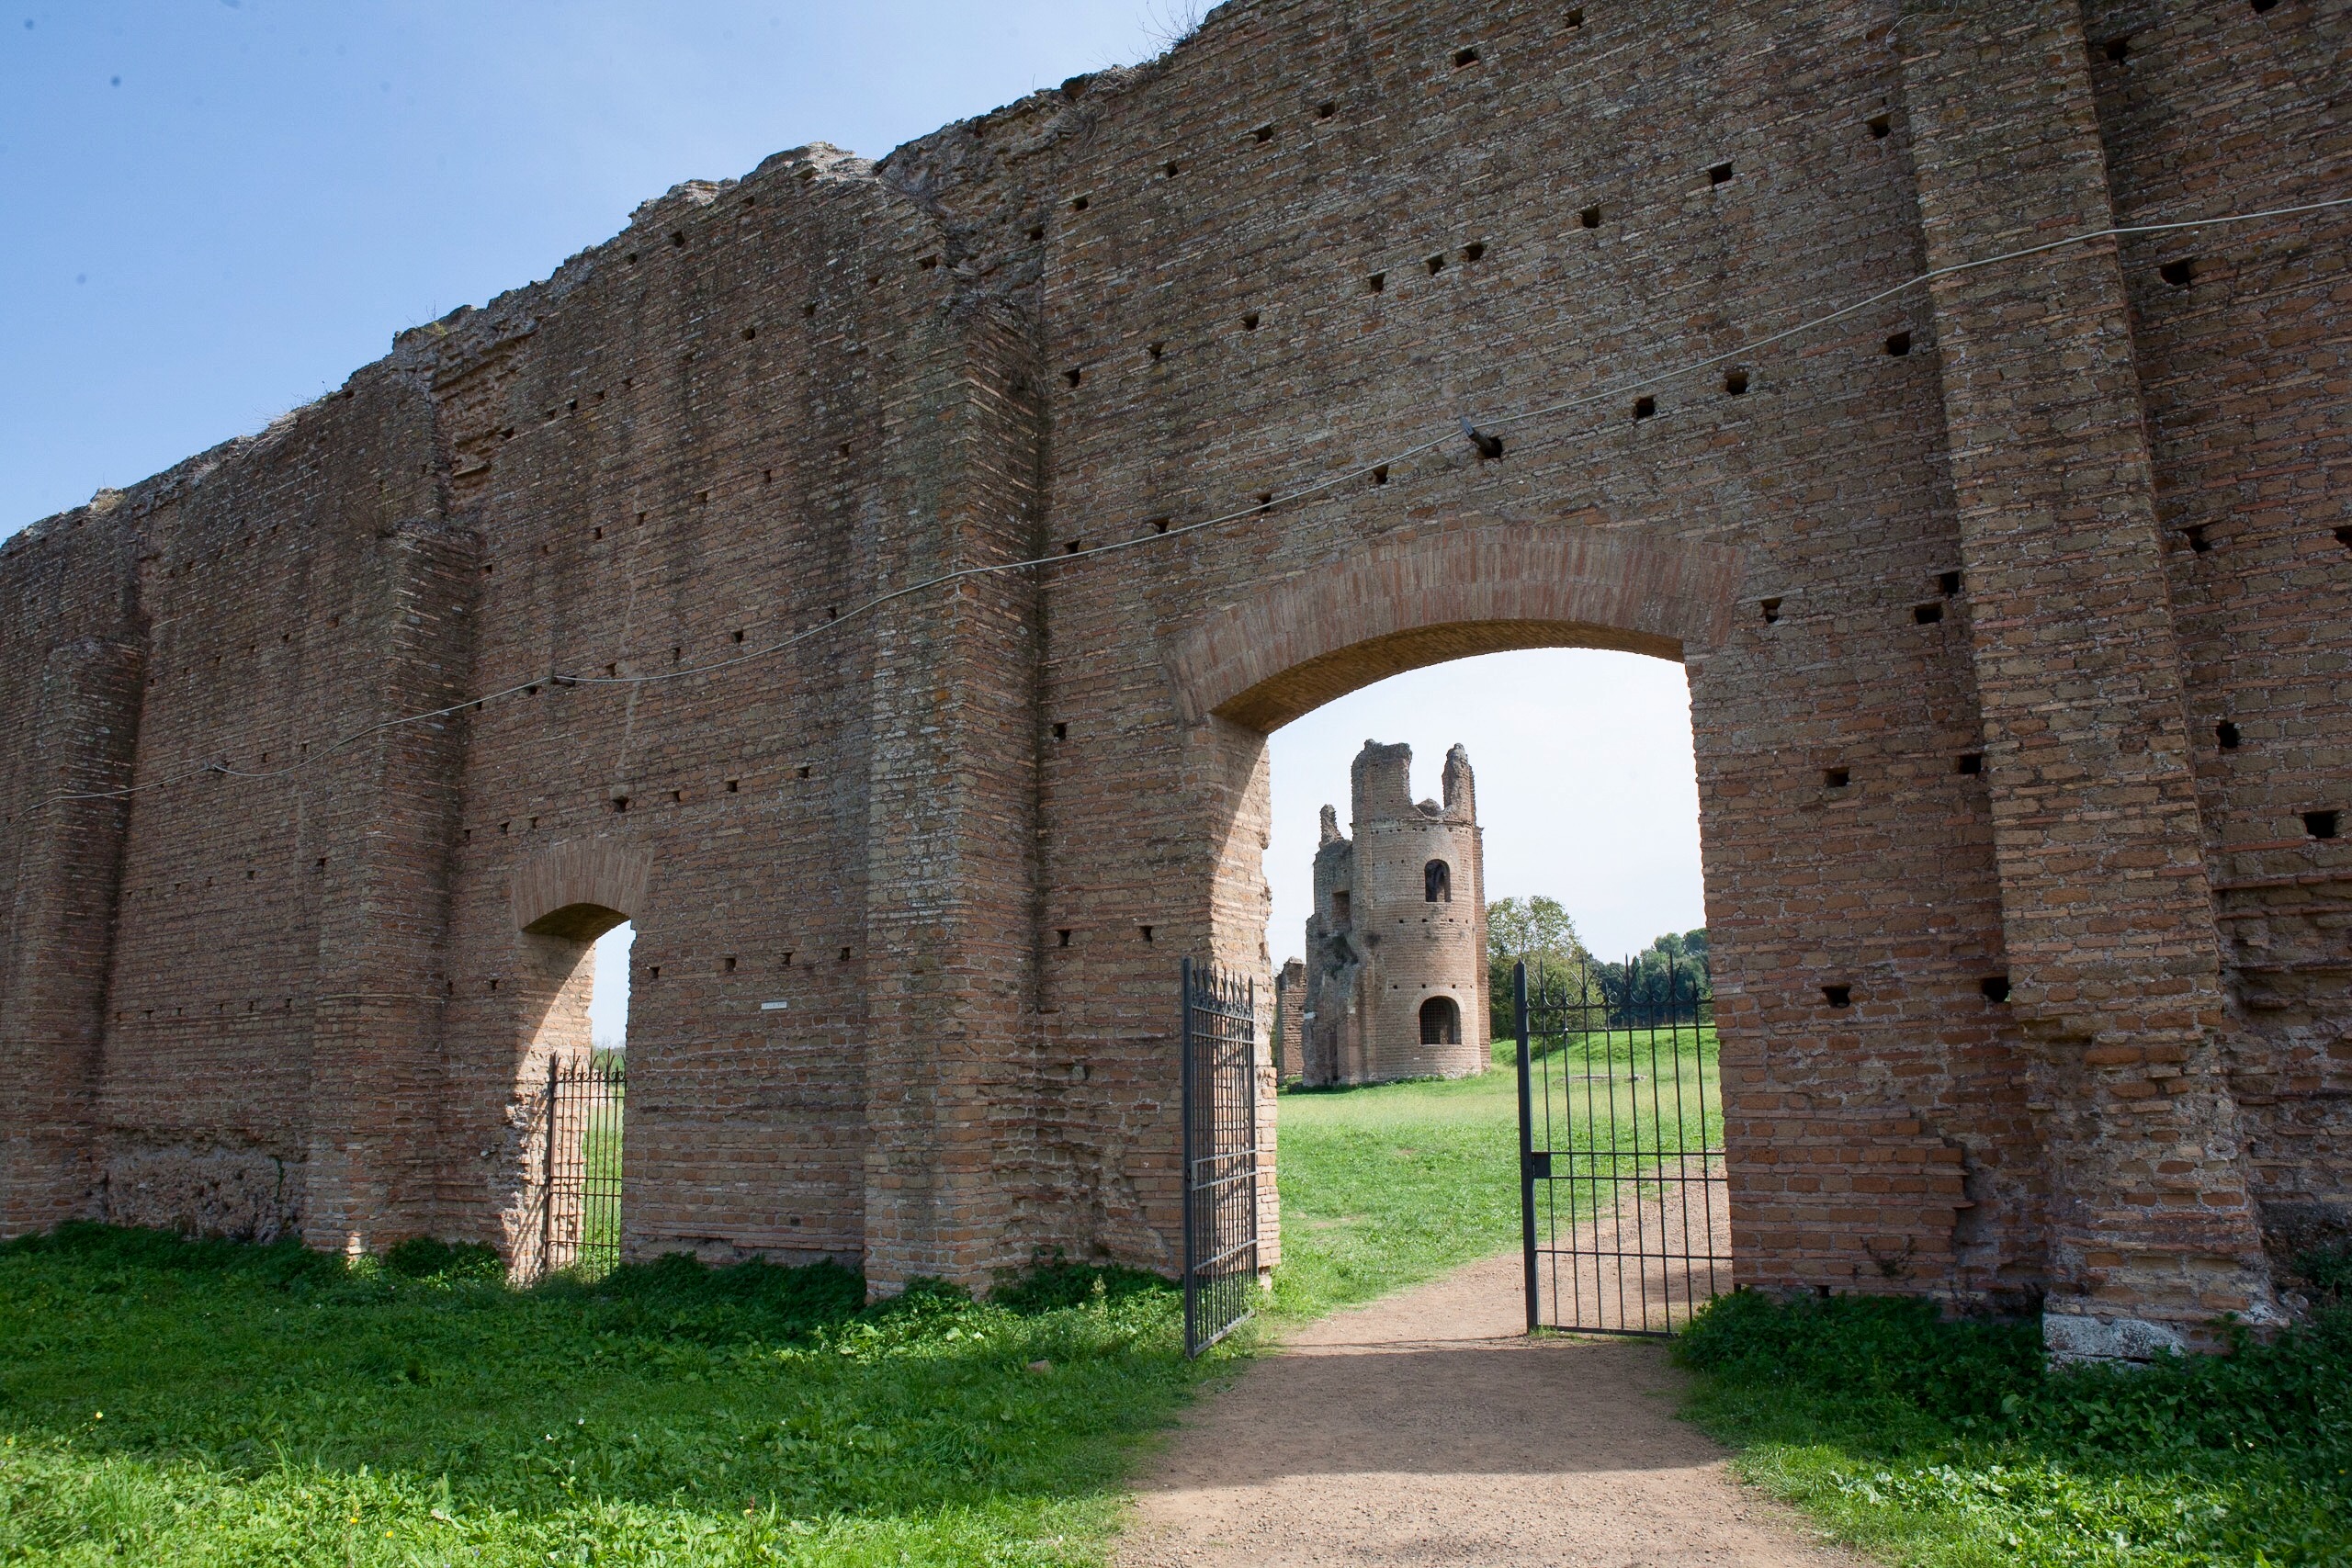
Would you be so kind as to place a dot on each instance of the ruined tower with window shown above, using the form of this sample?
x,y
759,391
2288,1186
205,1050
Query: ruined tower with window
x,y
1396,946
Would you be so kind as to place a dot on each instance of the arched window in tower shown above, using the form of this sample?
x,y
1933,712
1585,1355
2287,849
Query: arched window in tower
x,y
1437,883
1441,1022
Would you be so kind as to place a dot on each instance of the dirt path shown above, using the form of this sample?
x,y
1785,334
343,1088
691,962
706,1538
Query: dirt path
x,y
1426,1430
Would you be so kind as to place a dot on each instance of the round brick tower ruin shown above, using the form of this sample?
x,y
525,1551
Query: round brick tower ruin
x,y
1395,983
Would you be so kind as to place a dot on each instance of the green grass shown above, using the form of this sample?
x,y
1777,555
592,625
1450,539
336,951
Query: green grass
x,y
1387,1186
170,1401
1946,1445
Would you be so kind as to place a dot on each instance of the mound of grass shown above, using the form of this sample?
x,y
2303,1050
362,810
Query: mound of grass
x,y
1386,1186
172,1401
1947,1444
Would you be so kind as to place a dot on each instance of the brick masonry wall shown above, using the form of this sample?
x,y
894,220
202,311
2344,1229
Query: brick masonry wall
x,y
1958,665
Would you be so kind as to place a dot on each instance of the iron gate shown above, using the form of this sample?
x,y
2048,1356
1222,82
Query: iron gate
x,y
1622,1198
576,1154
1219,1064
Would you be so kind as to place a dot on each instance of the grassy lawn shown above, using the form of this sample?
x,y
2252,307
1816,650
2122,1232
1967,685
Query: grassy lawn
x,y
1382,1188
164,1402
1946,1445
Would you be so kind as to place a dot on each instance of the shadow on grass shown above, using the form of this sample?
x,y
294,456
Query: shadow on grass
x,y
176,1401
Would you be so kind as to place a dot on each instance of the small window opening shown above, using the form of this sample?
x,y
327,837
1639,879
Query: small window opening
x,y
1970,763
621,803
1837,996
1771,608
1380,474
1437,883
1735,383
1719,175
2319,824
2344,537
653,972
1644,407
1927,614
731,963
1474,251
1249,322
1078,204
1061,731
2180,273
2198,543
1898,344
1948,583
750,332
1436,264
1265,499
1463,57
810,308
1994,987
1326,110
1146,933
1342,912
1880,125
1376,284
845,954
678,237
1159,525
1574,18
802,771
1837,778
1589,217
2262,6
1171,169
1155,350
739,635
1441,1022
734,786
1036,232
925,263
2118,50
2227,736
1073,376
1263,134
1061,939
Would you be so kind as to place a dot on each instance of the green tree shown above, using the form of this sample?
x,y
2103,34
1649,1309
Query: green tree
x,y
1536,931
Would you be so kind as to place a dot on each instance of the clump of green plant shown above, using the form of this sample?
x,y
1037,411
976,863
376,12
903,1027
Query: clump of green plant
x,y
2328,1272
165,1401
1950,1442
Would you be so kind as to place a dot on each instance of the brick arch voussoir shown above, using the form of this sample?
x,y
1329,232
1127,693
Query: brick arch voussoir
x,y
581,888
1423,596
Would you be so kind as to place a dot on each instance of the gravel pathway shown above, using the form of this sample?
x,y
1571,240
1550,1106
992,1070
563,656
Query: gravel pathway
x,y
1427,1429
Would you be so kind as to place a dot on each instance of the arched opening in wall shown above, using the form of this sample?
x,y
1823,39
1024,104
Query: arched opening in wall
x,y
1539,808
574,1089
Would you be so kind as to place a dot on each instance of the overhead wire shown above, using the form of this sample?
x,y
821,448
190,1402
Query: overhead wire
x,y
1271,502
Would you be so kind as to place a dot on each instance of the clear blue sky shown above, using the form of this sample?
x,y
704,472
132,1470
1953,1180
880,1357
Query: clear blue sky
x,y
216,210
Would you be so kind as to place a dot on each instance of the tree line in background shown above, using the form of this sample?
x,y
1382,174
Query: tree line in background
x,y
1539,933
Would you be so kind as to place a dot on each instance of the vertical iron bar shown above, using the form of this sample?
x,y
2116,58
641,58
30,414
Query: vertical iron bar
x,y
1192,1251
547,1174
1526,1147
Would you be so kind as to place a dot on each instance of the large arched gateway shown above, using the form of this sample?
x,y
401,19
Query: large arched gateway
x,y
2012,604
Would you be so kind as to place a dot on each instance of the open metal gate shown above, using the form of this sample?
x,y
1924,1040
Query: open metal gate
x,y
1623,1197
575,1205
1219,1064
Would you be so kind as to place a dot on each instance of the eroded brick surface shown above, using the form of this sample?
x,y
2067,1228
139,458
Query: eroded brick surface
x,y
2011,609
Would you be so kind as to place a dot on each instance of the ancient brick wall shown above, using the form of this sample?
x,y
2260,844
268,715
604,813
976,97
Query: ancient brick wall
x,y
2008,606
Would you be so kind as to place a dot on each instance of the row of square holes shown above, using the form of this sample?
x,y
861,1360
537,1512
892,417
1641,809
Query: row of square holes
x,y
1993,989
727,966
2118,50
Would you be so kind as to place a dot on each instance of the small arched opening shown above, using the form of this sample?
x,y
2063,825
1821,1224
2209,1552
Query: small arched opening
x,y
573,1089
1441,1022
1437,883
